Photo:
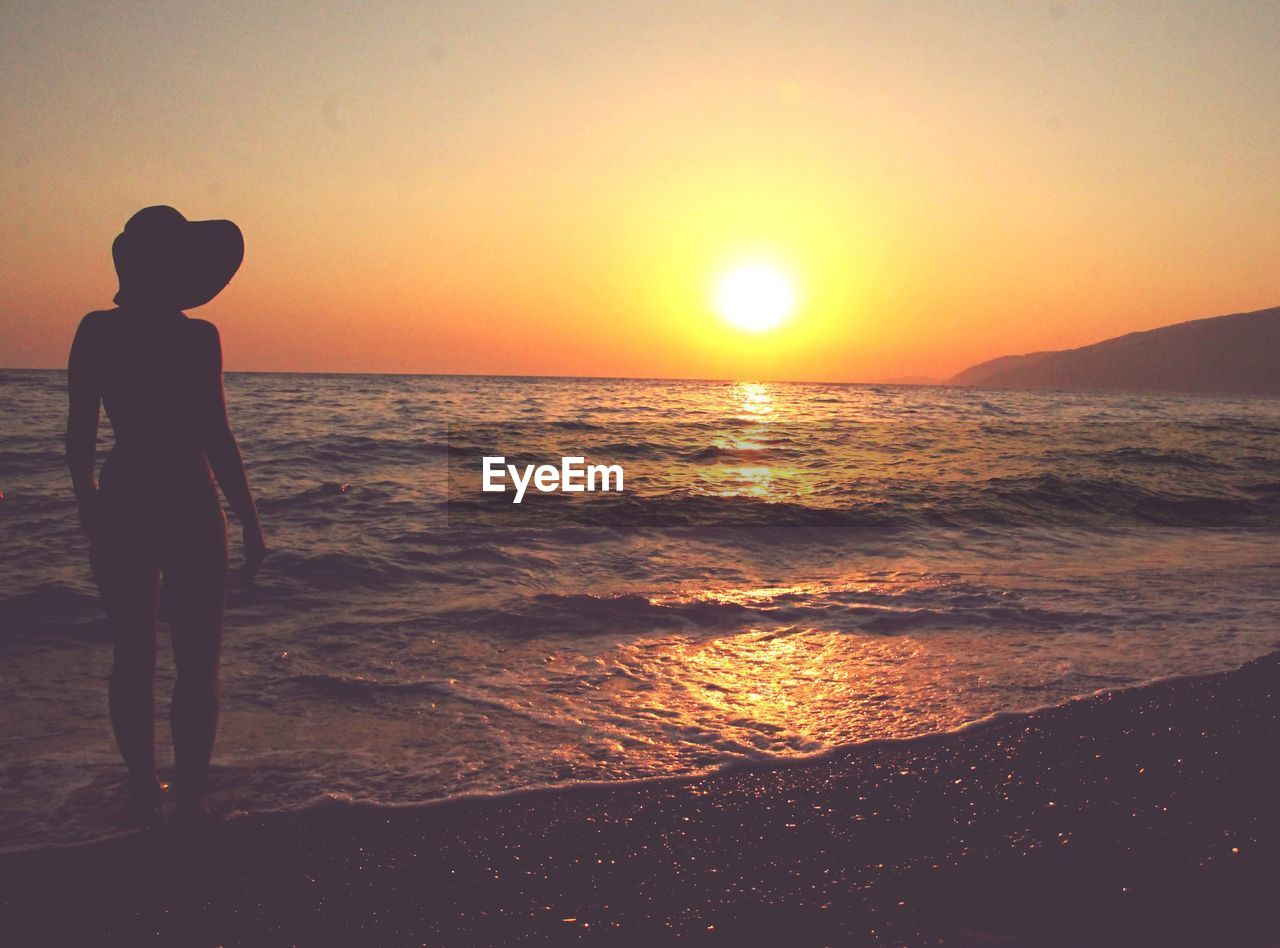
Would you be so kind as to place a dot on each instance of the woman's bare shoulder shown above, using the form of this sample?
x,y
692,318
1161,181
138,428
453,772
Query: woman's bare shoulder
x,y
203,330
206,343
92,328
96,319
89,342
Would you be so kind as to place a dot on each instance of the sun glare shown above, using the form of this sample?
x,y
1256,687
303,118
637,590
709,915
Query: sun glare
x,y
755,298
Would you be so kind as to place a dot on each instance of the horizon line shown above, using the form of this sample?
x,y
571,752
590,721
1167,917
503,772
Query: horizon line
x,y
935,383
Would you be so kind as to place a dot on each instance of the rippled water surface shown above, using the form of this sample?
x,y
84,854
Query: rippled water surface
x,y
790,568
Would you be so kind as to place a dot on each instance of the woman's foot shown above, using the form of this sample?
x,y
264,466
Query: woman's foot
x,y
146,801
194,811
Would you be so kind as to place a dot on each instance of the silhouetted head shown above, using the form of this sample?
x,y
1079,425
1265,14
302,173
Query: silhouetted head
x,y
165,260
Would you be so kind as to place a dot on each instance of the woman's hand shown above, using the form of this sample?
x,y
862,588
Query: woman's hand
x,y
255,551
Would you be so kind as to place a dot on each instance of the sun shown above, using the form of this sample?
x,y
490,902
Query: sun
x,y
756,297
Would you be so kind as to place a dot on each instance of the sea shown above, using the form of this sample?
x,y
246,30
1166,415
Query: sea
x,y
789,569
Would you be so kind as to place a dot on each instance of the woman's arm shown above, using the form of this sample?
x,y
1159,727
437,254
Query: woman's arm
x,y
85,392
224,454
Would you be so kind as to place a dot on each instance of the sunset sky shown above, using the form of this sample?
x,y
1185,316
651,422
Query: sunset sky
x,y
557,188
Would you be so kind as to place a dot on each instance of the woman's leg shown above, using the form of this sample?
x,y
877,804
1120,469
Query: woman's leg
x,y
195,574
127,575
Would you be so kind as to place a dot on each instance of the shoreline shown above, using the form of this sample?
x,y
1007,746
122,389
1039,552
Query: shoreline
x,y
1139,815
333,804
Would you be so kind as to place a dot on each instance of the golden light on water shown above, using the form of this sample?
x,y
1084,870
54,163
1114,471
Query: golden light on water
x,y
763,480
757,399
800,690
746,482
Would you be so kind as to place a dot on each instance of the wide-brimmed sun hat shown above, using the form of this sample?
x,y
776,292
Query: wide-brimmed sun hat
x,y
163,259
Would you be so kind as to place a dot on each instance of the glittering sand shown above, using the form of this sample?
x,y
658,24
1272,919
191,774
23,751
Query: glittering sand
x,y
1140,817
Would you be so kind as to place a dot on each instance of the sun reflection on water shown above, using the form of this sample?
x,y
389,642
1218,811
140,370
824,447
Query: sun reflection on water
x,y
756,399
799,690
752,464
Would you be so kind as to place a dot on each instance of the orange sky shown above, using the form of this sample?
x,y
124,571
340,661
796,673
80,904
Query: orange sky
x,y
552,189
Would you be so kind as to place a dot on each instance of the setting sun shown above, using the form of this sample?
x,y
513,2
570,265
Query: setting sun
x,y
755,298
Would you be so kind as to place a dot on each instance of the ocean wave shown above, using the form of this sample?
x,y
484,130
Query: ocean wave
x,y
716,454
1041,500
27,456
831,608
355,687
52,607
1157,456
586,614
338,569
345,449
323,495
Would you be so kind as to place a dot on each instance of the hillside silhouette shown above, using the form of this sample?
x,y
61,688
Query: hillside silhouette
x,y
1237,354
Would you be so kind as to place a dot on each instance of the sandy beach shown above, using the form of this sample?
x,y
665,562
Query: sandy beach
x,y
1144,816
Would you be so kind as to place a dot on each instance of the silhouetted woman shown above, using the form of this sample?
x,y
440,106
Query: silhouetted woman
x,y
159,375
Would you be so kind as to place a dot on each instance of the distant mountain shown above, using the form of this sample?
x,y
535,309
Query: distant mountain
x,y
911,380
1237,354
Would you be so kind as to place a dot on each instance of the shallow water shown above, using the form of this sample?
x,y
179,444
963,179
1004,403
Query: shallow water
x,y
791,568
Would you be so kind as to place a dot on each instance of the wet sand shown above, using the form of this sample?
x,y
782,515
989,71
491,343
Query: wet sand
x,y
1144,816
